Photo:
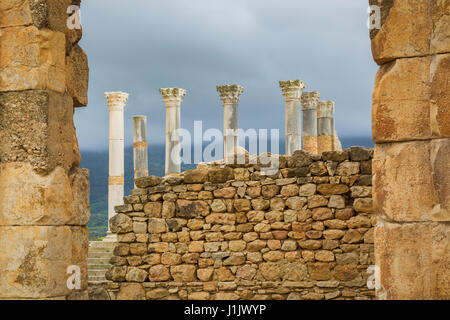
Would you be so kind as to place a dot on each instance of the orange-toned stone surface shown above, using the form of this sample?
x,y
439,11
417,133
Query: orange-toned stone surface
x,y
411,181
310,144
34,260
411,99
325,143
32,199
411,28
32,58
15,13
414,260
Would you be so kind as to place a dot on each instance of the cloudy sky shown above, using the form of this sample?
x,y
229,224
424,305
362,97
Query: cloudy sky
x,y
139,46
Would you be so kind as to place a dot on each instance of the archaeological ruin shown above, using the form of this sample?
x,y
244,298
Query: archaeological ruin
x,y
317,223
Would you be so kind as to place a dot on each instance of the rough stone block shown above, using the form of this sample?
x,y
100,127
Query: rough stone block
x,y
413,260
131,291
412,180
15,13
32,59
77,76
37,127
411,98
31,199
411,28
34,260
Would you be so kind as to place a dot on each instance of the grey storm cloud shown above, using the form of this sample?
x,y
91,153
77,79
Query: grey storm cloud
x,y
139,46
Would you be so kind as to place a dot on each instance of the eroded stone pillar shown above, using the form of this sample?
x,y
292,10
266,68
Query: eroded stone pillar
x,y
229,94
116,104
140,151
411,168
325,126
309,103
44,194
292,91
172,99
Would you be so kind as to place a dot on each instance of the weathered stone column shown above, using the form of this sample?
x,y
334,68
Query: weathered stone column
x,y
309,103
116,103
140,152
411,167
325,126
229,94
292,91
44,194
172,99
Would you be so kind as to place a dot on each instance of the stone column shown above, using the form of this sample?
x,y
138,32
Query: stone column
x,y
325,126
292,91
140,152
172,99
411,167
229,94
116,103
309,103
44,194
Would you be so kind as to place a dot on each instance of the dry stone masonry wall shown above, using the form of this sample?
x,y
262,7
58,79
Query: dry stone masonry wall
x,y
228,232
44,195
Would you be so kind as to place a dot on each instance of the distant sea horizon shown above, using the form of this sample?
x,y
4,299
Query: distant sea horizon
x,y
97,163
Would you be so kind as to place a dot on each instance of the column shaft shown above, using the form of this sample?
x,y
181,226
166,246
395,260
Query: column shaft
x,y
293,90
173,148
230,127
116,102
172,99
140,148
229,95
293,127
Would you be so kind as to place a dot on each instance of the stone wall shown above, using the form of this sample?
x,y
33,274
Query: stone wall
x,y
228,232
44,198
411,129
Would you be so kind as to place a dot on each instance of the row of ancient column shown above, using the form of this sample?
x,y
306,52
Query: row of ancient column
x,y
319,134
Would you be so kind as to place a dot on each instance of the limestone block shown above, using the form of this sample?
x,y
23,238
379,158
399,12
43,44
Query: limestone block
x,y
411,98
401,101
32,59
80,197
440,15
31,199
411,28
50,14
37,127
77,76
440,95
413,260
146,182
411,180
15,13
131,291
34,260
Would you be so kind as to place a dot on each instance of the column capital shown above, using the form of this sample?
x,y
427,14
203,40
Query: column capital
x,y
292,89
229,93
116,99
310,100
325,109
172,94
